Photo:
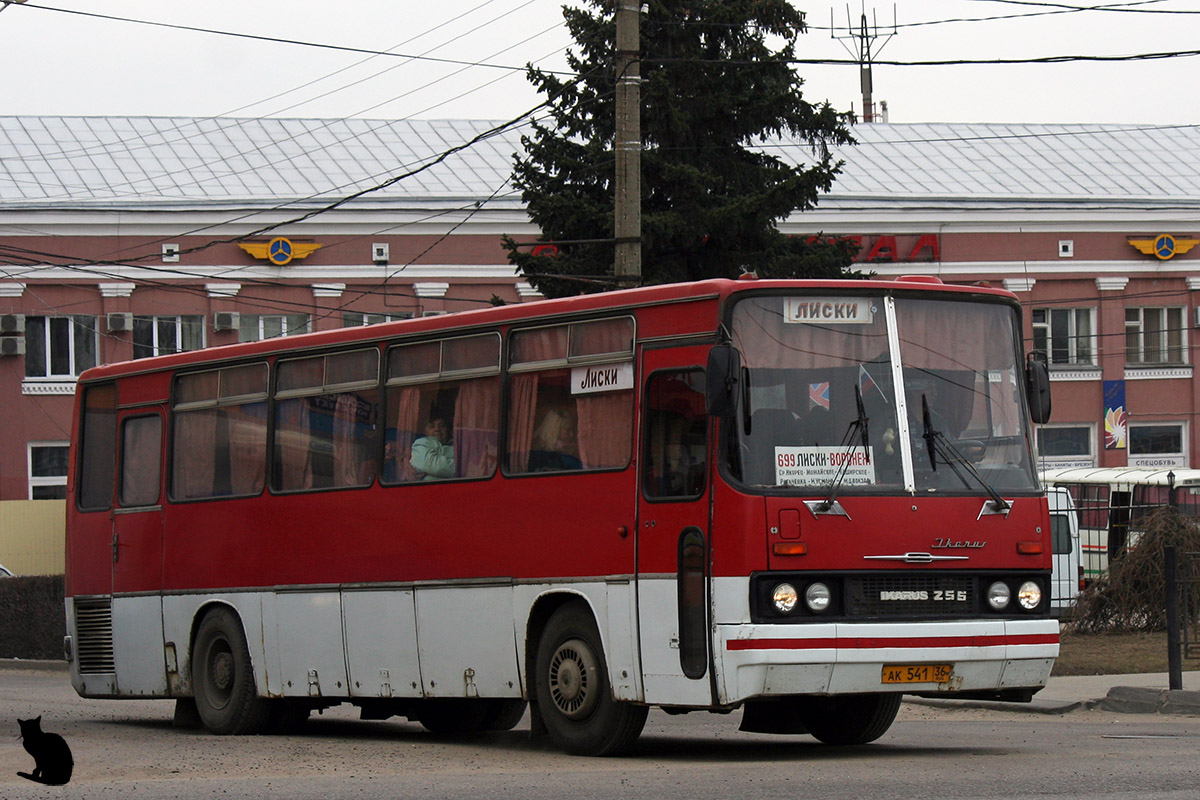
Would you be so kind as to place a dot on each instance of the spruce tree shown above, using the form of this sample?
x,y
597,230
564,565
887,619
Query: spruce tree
x,y
716,84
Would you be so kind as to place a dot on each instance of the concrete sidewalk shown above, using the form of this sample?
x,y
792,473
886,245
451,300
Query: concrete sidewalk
x,y
1130,694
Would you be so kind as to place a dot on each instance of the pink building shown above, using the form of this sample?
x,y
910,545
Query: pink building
x,y
125,237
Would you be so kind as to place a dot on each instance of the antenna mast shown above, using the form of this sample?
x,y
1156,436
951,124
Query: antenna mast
x,y
864,36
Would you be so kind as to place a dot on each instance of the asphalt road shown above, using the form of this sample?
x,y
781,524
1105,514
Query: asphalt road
x,y
128,749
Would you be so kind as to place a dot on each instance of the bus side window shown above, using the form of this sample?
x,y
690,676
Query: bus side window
x,y
219,433
98,448
326,418
443,410
141,460
563,417
674,454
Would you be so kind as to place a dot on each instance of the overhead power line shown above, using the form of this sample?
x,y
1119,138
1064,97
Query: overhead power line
x,y
947,62
281,40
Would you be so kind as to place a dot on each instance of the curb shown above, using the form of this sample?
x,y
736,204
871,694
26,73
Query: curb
x,y
1120,700
1143,700
1036,707
33,664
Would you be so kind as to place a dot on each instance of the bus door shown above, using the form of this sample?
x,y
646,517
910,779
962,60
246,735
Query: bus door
x,y
137,547
673,528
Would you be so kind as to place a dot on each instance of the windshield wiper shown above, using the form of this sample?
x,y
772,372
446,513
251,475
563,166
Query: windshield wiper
x,y
830,505
938,444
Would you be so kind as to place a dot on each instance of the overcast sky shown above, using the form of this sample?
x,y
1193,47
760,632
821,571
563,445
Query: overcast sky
x,y
55,63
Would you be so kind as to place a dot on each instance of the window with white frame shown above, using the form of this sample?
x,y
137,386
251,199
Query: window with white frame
x,y
1159,444
256,327
1066,335
48,470
160,336
1065,445
1154,336
59,347
356,319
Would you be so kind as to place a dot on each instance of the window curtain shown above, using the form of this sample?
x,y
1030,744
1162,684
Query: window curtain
x,y
353,463
765,340
141,460
528,346
476,427
247,447
195,454
406,417
522,399
605,429
293,444
968,336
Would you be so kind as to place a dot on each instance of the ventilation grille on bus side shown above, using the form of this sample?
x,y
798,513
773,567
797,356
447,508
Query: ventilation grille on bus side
x,y
94,636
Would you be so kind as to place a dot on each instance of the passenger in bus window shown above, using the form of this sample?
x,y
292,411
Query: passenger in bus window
x,y
432,454
555,442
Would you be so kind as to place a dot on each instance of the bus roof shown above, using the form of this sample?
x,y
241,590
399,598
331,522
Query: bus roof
x,y
715,289
1122,475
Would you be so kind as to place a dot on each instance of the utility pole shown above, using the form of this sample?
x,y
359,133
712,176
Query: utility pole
x,y
865,37
627,227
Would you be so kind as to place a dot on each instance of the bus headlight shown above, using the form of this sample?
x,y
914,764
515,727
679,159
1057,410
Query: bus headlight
x,y
817,597
1029,595
785,598
998,595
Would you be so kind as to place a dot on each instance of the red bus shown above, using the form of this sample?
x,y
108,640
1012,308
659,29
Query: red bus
x,y
802,499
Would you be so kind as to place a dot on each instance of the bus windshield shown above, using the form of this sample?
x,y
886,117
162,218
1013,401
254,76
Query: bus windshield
x,y
879,394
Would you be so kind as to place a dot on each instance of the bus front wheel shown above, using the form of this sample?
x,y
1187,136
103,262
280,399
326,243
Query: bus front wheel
x,y
223,677
850,718
574,696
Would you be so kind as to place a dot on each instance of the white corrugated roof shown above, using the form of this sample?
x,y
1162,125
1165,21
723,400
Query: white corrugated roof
x,y
157,162
979,163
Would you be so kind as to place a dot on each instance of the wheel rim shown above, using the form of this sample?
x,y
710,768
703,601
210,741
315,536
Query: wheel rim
x,y
219,675
572,679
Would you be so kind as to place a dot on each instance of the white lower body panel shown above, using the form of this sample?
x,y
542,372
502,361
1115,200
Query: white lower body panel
x,y
848,657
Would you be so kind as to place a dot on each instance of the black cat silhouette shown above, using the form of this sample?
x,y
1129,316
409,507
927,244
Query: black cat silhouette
x,y
51,756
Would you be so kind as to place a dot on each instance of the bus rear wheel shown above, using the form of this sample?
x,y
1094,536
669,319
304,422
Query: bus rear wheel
x,y
849,719
223,677
574,696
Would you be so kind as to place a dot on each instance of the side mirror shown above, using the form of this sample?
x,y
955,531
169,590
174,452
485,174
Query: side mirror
x,y
1037,388
724,373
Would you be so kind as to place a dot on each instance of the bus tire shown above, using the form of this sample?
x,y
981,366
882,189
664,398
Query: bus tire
x,y
850,718
223,677
573,692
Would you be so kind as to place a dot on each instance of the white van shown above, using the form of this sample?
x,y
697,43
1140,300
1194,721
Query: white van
x,y
1067,578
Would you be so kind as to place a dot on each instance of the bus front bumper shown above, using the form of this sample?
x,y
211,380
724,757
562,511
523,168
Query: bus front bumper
x,y
972,656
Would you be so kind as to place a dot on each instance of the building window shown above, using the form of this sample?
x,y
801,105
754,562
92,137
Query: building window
x,y
59,347
160,336
356,319
1063,446
48,470
256,327
1066,335
1157,445
1154,336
